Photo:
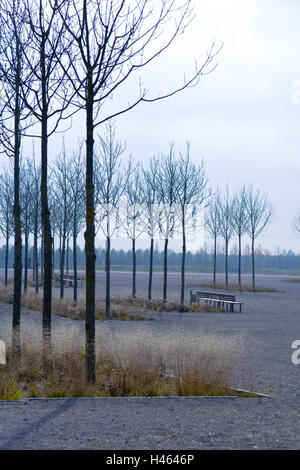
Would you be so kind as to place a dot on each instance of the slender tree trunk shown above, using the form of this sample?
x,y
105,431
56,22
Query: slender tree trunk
x,y
240,261
90,239
68,255
42,258
53,253
62,266
253,265
75,263
133,269
215,261
16,339
35,248
165,286
60,238
46,269
183,268
150,270
26,262
107,274
33,263
35,257
6,262
226,263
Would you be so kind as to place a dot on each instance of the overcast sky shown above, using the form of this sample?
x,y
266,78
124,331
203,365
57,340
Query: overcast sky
x,y
243,118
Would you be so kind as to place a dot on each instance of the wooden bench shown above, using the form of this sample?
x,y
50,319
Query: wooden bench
x,y
68,279
218,299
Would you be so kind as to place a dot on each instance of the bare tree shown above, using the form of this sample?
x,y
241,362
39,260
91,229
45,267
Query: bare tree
x,y
75,176
191,194
110,184
14,43
55,211
150,217
112,40
240,224
6,214
62,189
35,194
226,226
27,211
168,181
47,97
212,226
260,212
132,215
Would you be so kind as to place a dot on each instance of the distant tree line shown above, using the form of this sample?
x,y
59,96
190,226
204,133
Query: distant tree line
x,y
202,260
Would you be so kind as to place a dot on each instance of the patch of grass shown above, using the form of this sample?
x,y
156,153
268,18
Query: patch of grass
x,y
67,308
125,308
233,287
129,364
157,305
8,388
122,308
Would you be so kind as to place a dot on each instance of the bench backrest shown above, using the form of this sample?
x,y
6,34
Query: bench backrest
x,y
66,277
215,296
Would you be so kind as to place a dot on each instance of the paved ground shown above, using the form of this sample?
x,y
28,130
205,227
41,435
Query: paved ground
x,y
269,324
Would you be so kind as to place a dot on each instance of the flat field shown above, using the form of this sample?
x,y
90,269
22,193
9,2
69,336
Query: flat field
x,y
268,325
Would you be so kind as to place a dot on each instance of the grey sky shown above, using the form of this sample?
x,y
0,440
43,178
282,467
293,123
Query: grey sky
x,y
241,119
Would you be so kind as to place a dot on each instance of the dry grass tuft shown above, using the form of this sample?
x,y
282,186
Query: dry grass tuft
x,y
233,287
67,308
122,308
157,305
131,363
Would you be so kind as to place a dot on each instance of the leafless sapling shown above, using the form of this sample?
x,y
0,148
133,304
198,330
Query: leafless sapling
x,y
226,225
35,193
131,215
110,182
27,211
75,176
212,226
150,216
6,214
167,187
63,193
260,212
240,224
192,193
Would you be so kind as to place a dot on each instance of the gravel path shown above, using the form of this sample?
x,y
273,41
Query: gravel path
x,y
269,324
